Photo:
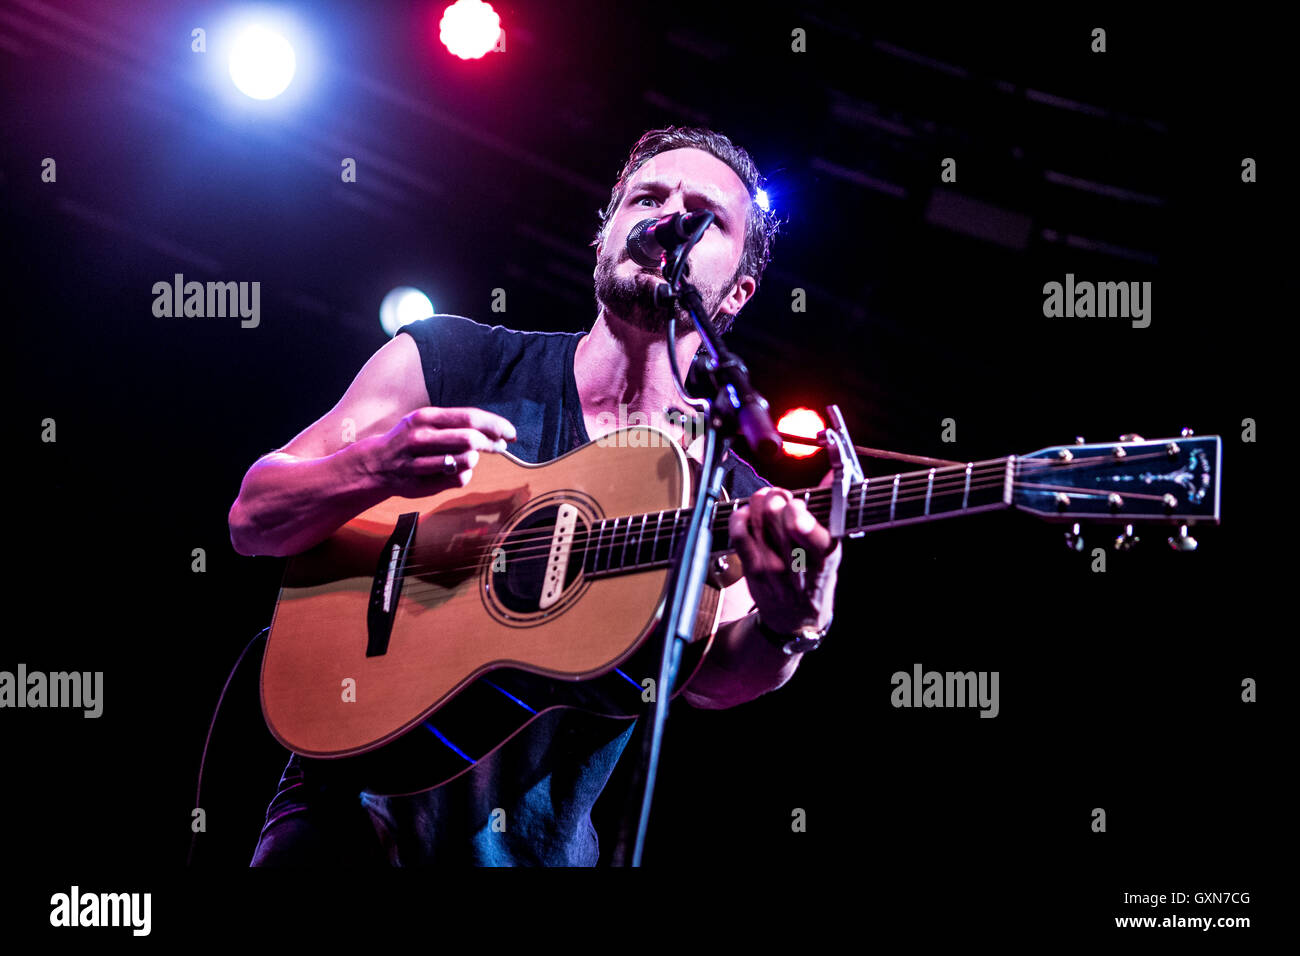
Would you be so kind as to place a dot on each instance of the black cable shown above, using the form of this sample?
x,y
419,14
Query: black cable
x,y
189,859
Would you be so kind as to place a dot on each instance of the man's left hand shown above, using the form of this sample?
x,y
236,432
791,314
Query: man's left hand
x,y
790,559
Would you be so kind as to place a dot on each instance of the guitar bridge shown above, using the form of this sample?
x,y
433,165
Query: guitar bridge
x,y
387,586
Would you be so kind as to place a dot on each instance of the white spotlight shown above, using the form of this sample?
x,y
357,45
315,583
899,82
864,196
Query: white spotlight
x,y
262,63
403,306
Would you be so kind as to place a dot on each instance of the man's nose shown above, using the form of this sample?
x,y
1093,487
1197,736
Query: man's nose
x,y
673,203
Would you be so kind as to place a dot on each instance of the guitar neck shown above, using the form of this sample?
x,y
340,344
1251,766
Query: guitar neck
x,y
646,541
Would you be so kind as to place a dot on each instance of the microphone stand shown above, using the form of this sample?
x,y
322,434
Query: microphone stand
x,y
737,409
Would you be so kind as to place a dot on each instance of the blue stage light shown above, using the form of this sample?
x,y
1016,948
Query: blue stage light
x,y
262,62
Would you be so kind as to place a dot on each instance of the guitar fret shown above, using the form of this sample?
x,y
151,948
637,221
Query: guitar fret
x,y
623,548
640,540
654,551
893,500
613,541
721,540
929,487
862,504
965,496
595,550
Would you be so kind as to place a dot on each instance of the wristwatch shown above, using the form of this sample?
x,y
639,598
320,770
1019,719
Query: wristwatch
x,y
806,638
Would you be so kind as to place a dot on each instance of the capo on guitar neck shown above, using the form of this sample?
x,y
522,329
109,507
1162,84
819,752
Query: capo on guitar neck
x,y
846,469
844,466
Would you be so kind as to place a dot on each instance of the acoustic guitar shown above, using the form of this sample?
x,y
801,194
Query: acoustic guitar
x,y
426,632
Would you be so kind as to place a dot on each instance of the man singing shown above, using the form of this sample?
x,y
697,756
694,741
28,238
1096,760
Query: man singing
x,y
445,391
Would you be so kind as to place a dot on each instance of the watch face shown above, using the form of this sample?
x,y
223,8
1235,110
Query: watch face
x,y
805,638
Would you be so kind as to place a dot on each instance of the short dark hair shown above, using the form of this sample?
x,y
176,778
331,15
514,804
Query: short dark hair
x,y
760,224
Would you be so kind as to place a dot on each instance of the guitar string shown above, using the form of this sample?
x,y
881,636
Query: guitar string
x,y
910,481
540,543
622,538
624,542
819,497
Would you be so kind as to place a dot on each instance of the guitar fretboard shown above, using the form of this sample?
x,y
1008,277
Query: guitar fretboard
x,y
645,541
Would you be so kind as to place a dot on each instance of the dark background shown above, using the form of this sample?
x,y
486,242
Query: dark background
x,y
1118,690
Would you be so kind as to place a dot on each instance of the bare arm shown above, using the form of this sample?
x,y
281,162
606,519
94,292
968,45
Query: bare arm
x,y
741,664
382,439
288,504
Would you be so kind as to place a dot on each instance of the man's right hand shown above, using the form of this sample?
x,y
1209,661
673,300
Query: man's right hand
x,y
411,459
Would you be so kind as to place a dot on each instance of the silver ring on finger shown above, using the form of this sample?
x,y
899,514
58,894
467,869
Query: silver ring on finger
x,y
449,464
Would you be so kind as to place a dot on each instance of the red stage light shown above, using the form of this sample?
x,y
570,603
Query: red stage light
x,y
804,422
469,28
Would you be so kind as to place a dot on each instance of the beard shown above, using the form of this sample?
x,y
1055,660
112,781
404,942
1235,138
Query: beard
x,y
631,298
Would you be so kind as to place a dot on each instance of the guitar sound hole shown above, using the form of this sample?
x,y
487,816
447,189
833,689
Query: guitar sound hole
x,y
519,574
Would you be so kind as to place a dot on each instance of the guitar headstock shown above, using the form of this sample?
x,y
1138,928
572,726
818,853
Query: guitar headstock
x,y
1165,481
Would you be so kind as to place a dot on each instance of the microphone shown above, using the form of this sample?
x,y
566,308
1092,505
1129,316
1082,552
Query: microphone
x,y
651,238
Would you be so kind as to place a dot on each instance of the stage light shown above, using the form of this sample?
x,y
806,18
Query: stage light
x,y
403,306
469,28
262,62
803,422
761,199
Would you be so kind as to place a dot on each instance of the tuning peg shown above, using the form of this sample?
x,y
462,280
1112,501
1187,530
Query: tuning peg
x,y
1131,437
1187,432
1183,541
1073,539
1127,540
1078,440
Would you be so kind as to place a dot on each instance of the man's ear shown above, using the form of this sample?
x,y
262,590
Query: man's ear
x,y
739,295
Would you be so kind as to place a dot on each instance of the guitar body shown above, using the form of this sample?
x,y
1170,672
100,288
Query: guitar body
x,y
426,632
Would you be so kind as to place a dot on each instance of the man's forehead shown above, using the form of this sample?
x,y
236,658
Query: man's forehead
x,y
697,171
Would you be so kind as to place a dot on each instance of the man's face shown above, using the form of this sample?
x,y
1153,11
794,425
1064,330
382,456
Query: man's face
x,y
678,180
